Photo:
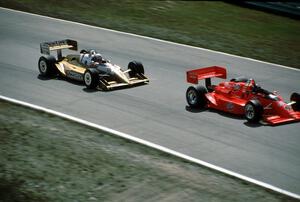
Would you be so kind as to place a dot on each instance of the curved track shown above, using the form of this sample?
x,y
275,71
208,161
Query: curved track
x,y
156,112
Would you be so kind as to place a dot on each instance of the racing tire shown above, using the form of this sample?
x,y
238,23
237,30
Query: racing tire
x,y
47,66
295,97
253,111
91,78
136,68
195,96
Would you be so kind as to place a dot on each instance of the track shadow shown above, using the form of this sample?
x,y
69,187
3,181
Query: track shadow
x,y
87,90
224,114
227,114
194,110
43,78
79,83
74,82
57,77
113,89
253,125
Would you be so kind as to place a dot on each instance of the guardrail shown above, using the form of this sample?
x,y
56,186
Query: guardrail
x,y
289,9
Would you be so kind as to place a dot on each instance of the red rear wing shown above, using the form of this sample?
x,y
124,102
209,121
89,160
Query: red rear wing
x,y
194,75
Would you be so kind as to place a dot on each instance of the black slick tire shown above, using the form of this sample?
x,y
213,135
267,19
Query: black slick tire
x,y
195,96
91,78
46,66
253,111
295,97
136,68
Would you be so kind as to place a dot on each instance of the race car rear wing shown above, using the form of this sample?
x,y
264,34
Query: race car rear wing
x,y
193,76
47,47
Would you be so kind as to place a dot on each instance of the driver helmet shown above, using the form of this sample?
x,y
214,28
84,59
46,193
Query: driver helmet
x,y
250,84
97,58
92,52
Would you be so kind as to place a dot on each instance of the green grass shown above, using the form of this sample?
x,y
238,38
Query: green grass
x,y
214,25
46,158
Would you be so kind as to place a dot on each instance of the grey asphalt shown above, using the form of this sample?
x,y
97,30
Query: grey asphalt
x,y
156,112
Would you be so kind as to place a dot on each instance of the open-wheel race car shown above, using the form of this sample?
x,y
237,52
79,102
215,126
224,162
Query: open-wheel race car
x,y
240,96
88,66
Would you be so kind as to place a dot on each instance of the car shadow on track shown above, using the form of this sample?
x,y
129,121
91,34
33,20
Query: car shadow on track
x,y
253,125
85,89
88,90
224,114
74,82
194,110
43,78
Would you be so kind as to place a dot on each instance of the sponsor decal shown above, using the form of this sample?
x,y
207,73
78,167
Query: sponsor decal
x,y
74,75
229,106
192,75
45,48
57,43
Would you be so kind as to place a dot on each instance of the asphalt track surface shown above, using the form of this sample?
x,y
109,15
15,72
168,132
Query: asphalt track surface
x,y
156,112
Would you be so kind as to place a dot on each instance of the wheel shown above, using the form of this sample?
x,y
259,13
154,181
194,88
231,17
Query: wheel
x,y
295,97
253,111
47,66
136,68
91,78
195,96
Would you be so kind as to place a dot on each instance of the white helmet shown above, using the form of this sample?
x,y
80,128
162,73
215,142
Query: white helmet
x,y
92,52
97,58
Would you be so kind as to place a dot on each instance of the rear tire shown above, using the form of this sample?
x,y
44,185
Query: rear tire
x,y
195,96
253,111
295,97
47,66
91,78
136,68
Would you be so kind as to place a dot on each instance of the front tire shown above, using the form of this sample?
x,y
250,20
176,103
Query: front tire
x,y
295,97
47,66
195,96
253,111
91,78
136,68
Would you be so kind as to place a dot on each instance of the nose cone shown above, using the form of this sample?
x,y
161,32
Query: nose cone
x,y
121,76
282,113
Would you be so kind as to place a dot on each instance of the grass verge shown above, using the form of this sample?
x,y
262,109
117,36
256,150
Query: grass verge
x,y
47,158
214,25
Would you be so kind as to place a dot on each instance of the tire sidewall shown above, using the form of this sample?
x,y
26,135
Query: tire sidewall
x,y
195,96
295,97
91,78
136,68
253,111
46,66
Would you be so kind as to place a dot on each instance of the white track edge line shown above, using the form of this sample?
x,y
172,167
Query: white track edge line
x,y
154,39
152,145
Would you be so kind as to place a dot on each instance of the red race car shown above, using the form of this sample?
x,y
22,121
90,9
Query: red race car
x,y
241,96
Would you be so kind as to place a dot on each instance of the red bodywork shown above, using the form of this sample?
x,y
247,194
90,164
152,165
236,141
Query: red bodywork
x,y
232,96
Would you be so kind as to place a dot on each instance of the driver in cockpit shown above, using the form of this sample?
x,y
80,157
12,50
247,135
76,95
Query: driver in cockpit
x,y
90,58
